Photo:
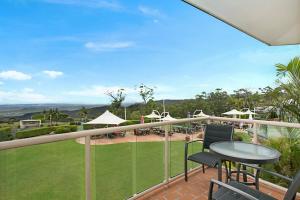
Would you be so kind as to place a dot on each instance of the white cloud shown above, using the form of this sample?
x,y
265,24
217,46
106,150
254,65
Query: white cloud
x,y
150,11
98,91
27,95
108,46
87,3
14,75
53,74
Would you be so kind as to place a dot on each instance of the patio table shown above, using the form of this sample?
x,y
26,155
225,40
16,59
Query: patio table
x,y
237,151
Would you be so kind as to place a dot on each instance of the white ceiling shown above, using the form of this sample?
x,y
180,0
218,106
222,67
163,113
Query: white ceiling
x,y
274,22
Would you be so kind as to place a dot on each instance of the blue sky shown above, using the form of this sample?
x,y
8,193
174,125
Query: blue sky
x,y
72,51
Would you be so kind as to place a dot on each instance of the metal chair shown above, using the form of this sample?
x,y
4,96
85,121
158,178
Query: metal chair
x,y
213,133
238,191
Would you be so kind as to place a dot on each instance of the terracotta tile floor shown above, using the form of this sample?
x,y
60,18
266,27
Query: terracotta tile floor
x,y
197,188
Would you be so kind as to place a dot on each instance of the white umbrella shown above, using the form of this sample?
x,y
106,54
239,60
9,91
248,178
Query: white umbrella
x,y
153,115
250,113
274,22
234,112
107,118
168,118
201,114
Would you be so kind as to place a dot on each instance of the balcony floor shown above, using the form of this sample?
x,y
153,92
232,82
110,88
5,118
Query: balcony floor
x,y
197,188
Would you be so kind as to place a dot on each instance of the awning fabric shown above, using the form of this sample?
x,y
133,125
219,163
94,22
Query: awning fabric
x,y
107,118
233,112
168,118
153,115
274,22
201,114
249,112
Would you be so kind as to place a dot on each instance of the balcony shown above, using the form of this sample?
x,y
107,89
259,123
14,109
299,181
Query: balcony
x,y
78,166
198,186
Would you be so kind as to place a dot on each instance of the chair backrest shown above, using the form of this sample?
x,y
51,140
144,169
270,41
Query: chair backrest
x,y
293,188
217,133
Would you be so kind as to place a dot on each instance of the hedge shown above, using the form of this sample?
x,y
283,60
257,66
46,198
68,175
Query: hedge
x,y
45,131
93,126
65,129
5,134
34,132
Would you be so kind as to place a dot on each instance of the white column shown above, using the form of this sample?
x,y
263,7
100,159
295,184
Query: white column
x,y
87,168
166,156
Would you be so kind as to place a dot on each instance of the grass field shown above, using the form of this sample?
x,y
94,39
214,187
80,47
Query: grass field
x,y
56,171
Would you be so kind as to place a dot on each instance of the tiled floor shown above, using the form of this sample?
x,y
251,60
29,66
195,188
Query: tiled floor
x,y
197,188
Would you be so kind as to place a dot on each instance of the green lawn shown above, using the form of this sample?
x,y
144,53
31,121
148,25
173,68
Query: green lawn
x,y
56,171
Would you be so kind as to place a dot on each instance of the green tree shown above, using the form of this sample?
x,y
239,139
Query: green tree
x,y
117,98
83,112
146,93
289,79
218,101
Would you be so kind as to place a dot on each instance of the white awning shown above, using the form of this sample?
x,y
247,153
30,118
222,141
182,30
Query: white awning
x,y
107,118
153,115
233,112
249,112
168,118
274,22
201,114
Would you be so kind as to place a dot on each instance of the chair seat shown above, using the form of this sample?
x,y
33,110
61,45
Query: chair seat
x,y
206,158
225,194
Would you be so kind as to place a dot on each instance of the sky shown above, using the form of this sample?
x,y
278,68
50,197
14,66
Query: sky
x,y
74,51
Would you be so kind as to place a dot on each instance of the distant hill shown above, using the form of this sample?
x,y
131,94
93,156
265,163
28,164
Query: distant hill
x,y
26,111
16,110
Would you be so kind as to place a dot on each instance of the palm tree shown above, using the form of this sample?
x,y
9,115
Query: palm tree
x,y
290,84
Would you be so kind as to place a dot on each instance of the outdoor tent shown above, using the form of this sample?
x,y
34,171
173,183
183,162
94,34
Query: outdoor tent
x,y
153,115
201,114
234,113
274,22
250,113
168,118
107,118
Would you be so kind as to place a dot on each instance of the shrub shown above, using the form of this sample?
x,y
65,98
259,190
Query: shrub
x,y
130,122
289,162
34,132
239,136
5,134
93,126
65,129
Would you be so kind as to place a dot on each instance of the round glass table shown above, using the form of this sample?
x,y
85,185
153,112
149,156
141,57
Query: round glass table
x,y
242,152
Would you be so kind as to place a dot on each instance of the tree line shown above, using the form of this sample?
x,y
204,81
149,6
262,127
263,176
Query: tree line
x,y
281,102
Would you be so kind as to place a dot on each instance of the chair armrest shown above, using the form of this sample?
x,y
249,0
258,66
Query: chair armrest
x,y
186,147
199,140
269,172
229,187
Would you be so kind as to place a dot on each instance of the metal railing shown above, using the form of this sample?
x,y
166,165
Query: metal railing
x,y
88,133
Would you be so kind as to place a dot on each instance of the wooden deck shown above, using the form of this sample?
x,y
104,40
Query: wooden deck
x,y
197,188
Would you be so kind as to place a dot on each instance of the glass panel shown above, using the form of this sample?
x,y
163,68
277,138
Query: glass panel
x,y
47,171
149,158
114,157
286,141
180,134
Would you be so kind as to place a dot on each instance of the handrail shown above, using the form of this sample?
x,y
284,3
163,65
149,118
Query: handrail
x,y
102,131
261,122
73,135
